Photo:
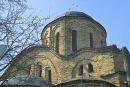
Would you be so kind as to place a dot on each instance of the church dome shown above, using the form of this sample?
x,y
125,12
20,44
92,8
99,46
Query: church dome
x,y
74,14
24,80
72,31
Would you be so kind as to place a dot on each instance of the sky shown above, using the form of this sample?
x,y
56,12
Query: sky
x,y
114,15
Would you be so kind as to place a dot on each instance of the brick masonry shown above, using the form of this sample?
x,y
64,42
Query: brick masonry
x,y
108,61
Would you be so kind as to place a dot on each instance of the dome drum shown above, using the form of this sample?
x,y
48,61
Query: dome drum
x,y
75,30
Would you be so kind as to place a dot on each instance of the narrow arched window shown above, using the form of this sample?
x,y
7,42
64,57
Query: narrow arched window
x,y
57,42
81,70
48,73
74,40
38,70
91,39
90,67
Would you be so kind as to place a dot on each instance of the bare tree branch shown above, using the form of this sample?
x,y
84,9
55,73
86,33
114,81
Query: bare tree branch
x,y
18,29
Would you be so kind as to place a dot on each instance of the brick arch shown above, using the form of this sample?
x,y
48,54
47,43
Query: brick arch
x,y
52,66
49,61
75,70
31,59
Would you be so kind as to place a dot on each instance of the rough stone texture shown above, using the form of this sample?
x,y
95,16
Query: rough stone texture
x,y
65,26
65,68
109,62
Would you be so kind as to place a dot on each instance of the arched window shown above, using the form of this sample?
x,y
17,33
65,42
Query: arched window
x,y
91,39
81,70
57,42
74,40
38,70
89,67
48,73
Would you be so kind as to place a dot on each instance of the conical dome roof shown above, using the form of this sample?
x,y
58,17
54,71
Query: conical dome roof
x,y
74,13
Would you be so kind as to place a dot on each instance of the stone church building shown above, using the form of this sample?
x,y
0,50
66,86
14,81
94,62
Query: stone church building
x,y
74,53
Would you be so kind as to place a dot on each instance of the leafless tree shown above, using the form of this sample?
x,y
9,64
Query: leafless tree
x,y
18,29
